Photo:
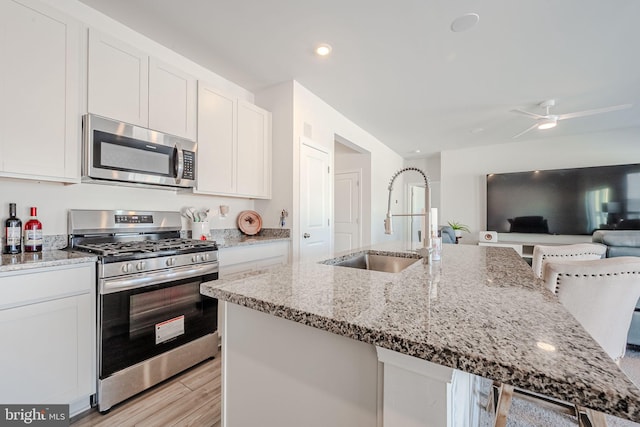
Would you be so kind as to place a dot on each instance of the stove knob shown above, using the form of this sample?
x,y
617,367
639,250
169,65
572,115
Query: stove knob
x,y
194,258
205,257
170,262
140,266
126,268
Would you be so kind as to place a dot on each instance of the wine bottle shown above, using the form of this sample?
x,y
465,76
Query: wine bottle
x,y
33,233
13,232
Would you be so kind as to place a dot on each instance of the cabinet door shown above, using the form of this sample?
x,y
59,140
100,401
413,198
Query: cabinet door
x,y
172,100
118,83
216,170
47,327
47,351
254,151
39,92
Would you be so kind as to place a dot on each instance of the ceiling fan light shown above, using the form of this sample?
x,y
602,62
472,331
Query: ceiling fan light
x,y
547,124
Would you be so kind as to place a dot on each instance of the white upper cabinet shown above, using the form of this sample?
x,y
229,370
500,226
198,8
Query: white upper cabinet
x,y
126,84
254,150
172,100
216,167
118,80
234,146
39,92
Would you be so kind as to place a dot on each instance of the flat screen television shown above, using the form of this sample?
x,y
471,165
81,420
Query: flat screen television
x,y
565,201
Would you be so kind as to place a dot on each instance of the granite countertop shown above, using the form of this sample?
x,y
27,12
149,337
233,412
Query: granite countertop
x,y
249,240
479,309
228,238
53,253
47,258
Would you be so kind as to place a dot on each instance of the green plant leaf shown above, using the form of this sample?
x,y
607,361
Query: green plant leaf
x,y
458,226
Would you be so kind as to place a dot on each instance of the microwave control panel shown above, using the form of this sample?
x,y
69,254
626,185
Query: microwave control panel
x,y
189,164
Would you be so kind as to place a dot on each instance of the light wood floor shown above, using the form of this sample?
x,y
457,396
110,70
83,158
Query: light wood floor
x,y
189,399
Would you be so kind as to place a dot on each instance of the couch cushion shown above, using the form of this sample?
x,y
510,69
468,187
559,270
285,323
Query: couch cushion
x,y
614,251
626,238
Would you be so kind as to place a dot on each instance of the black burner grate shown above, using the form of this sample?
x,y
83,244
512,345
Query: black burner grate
x,y
152,247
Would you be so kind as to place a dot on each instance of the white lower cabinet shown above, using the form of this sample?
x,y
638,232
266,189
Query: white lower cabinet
x,y
238,260
48,333
243,259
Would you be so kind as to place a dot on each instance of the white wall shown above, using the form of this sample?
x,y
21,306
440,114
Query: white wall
x,y
53,201
327,123
463,182
324,124
279,100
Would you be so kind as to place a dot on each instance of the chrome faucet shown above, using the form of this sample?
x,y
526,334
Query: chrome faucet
x,y
427,248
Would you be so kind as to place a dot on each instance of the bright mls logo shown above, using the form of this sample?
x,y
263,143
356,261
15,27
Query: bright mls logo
x,y
34,415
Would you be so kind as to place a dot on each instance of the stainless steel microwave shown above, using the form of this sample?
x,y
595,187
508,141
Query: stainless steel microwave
x,y
121,153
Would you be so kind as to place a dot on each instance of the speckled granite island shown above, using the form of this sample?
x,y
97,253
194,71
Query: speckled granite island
x,y
308,338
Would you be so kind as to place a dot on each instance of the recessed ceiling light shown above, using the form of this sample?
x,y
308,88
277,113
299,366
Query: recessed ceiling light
x,y
465,22
323,49
416,151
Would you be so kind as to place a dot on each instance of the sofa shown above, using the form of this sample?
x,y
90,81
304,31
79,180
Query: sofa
x,y
619,242
447,234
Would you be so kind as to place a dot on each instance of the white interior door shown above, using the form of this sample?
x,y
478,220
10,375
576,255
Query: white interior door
x,y
315,239
346,211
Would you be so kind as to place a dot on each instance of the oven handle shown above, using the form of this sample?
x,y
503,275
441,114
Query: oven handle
x,y
109,286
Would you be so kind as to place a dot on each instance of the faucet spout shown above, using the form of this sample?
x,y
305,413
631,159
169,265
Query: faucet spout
x,y
426,233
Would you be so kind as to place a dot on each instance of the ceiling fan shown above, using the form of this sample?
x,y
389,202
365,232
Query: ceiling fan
x,y
548,120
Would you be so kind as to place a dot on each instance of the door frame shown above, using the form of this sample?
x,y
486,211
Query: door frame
x,y
329,152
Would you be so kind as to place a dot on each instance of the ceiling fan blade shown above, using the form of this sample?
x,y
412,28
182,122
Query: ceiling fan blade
x,y
527,113
526,130
594,111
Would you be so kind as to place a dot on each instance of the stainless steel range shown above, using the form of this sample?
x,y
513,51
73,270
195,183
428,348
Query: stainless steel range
x,y
152,320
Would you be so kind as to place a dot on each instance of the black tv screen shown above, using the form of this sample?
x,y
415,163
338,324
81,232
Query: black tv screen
x,y
565,201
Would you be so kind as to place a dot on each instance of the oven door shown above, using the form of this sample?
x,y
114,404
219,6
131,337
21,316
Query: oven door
x,y
140,322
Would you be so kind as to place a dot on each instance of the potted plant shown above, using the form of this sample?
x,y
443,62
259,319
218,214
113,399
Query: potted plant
x,y
458,228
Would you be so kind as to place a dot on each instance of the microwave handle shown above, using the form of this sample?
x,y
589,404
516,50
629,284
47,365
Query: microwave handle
x,y
179,162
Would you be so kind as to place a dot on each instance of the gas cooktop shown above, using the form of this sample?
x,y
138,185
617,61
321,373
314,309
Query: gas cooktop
x,y
146,249
131,235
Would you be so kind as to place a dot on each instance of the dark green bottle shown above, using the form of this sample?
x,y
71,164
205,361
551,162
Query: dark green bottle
x,y
13,232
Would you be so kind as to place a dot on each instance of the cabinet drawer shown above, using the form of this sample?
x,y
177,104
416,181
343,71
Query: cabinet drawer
x,y
246,258
42,284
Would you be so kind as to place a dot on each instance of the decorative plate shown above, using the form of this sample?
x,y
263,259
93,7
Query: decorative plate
x,y
249,222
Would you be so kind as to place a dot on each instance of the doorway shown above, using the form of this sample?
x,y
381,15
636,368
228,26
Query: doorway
x,y
347,210
352,196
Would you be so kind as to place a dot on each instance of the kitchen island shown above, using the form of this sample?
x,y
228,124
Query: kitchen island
x,y
317,339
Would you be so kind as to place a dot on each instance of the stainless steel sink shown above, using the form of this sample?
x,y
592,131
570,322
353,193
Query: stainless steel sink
x,y
374,261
